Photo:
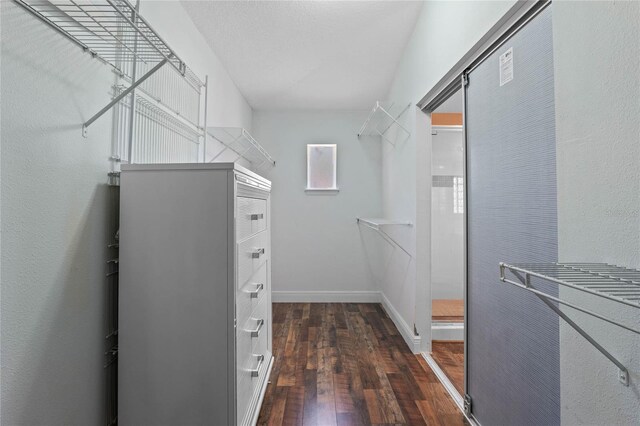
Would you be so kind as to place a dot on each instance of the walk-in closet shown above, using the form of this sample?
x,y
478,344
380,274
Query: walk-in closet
x,y
412,212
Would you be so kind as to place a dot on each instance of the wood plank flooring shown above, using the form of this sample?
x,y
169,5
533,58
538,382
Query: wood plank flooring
x,y
449,310
346,364
450,358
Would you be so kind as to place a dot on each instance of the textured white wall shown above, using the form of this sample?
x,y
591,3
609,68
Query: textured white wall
x,y
597,73
317,245
445,31
54,206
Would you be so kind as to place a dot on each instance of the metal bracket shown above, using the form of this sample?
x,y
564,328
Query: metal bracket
x,y
121,96
623,373
467,404
378,228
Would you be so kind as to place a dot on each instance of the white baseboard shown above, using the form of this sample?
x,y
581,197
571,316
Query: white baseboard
x,y
325,296
447,331
406,331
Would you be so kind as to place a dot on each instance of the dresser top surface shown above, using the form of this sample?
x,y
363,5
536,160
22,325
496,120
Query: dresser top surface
x,y
194,166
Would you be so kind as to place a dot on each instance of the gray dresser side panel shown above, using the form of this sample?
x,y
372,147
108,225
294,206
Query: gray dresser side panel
x,y
174,297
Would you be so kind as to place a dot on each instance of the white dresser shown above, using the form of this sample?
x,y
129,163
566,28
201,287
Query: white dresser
x,y
195,294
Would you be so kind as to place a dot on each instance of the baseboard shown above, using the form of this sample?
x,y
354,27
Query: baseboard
x,y
405,330
447,331
325,296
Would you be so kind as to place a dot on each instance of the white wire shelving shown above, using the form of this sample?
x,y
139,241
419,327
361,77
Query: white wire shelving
x,y
239,141
114,32
383,122
111,30
378,226
611,282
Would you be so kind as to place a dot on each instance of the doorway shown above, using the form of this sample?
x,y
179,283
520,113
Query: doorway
x,y
447,239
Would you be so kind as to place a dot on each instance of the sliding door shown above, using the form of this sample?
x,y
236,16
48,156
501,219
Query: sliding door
x,y
513,338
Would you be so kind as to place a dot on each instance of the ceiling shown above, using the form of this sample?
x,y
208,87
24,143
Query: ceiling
x,y
287,55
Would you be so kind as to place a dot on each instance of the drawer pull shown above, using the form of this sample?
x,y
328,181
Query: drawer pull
x,y
254,293
257,216
257,253
256,331
256,372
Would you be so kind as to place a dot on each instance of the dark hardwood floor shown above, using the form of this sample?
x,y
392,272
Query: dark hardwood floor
x,y
450,358
346,364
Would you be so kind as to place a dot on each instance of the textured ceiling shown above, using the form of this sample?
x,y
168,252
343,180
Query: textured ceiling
x,y
308,54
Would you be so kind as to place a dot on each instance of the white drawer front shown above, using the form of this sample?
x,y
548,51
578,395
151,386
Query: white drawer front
x,y
251,217
243,374
249,295
252,254
252,357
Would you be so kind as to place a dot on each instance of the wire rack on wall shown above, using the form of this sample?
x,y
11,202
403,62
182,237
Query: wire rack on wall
x,y
111,30
159,135
240,142
115,32
610,282
383,122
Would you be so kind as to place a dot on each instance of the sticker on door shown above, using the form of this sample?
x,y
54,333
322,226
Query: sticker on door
x,y
506,67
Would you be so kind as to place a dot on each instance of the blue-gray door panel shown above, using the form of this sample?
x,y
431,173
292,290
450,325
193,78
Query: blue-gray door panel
x,y
513,338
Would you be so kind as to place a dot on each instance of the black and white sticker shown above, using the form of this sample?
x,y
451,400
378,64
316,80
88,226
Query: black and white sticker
x,y
506,67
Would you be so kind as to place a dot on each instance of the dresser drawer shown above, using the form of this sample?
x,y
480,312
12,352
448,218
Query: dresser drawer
x,y
244,382
251,217
255,329
252,357
252,254
249,295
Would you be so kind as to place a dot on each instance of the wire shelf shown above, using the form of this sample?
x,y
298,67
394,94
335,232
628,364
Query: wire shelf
x,y
240,141
109,29
160,135
378,224
382,222
611,282
383,122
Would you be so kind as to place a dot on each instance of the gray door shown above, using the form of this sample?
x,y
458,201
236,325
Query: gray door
x,y
513,338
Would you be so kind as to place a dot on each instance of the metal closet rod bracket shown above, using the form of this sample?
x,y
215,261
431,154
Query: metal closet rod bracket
x,y
378,224
573,278
122,95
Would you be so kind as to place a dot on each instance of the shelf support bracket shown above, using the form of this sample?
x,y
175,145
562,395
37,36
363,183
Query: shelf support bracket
x,y
623,373
122,95
378,229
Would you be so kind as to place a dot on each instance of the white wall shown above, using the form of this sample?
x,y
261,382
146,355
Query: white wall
x,y
597,81
54,206
319,252
445,31
447,225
